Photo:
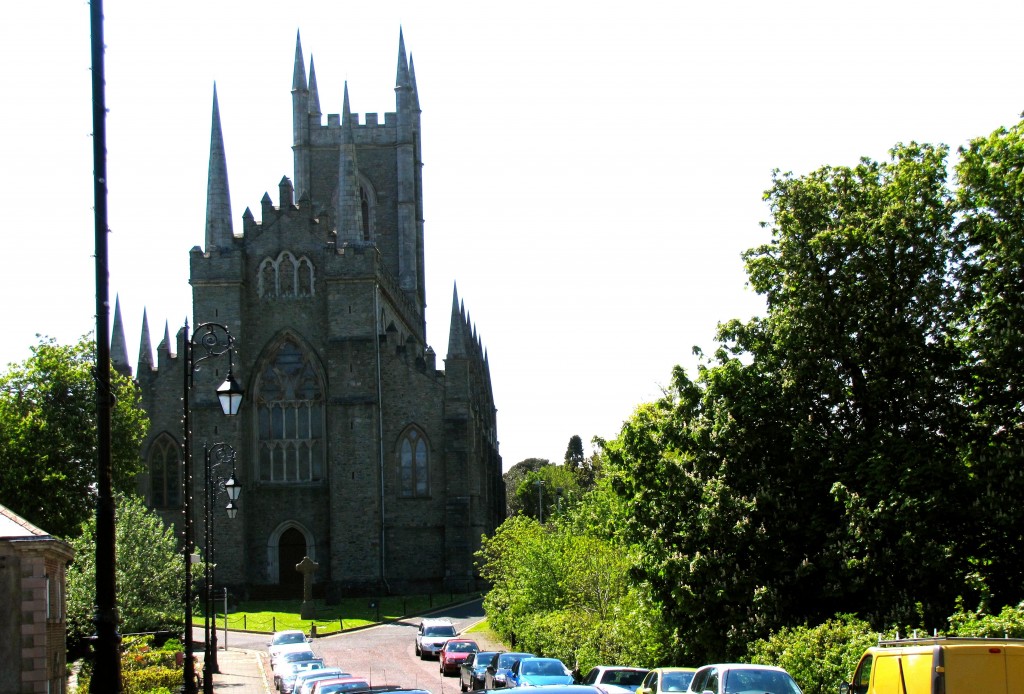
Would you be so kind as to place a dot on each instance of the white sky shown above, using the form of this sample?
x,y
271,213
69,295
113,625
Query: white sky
x,y
592,170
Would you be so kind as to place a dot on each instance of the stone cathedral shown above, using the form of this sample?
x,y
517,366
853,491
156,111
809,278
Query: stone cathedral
x,y
353,446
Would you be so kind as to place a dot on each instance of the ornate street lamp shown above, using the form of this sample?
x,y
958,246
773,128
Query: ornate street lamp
x,y
214,456
210,340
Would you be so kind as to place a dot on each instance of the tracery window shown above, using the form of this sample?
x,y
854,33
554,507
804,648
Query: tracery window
x,y
413,465
164,473
285,277
290,413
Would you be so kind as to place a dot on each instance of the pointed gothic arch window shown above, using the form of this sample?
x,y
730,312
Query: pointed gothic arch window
x,y
286,267
413,464
290,417
164,473
286,277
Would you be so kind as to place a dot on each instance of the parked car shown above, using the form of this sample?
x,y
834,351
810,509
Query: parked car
x,y
303,678
534,672
733,678
333,685
287,640
431,635
453,652
569,689
666,679
284,675
283,658
473,669
496,676
613,679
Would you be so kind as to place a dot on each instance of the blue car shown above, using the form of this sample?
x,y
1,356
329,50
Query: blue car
x,y
498,671
534,672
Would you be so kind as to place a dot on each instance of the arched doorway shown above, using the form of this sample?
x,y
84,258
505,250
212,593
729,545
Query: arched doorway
x,y
291,548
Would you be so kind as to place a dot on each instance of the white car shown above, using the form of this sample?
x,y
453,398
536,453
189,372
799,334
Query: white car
x,y
613,679
742,678
432,635
288,640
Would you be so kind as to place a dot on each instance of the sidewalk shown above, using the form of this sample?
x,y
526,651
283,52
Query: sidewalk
x,y
241,672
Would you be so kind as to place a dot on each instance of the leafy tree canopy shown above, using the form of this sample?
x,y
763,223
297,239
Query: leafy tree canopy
x,y
150,573
48,435
815,465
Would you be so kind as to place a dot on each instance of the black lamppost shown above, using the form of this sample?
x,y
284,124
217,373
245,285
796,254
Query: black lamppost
x,y
210,340
214,456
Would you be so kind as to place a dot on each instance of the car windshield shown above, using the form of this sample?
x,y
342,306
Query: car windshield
x,y
625,678
761,681
461,647
439,631
483,659
342,686
296,637
507,660
675,681
298,655
543,668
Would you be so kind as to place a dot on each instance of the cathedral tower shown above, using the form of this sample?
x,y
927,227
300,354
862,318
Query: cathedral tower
x,y
354,448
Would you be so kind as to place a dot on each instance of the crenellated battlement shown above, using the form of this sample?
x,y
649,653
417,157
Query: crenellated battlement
x,y
371,120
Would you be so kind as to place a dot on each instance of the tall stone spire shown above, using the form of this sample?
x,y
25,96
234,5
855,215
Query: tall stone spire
x,y
299,70
301,108
457,330
145,347
402,79
412,82
405,160
349,210
314,95
165,343
219,231
118,346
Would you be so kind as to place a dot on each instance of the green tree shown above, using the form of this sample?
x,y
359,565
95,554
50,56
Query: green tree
x,y
990,199
574,452
150,573
567,594
48,435
814,467
513,477
557,486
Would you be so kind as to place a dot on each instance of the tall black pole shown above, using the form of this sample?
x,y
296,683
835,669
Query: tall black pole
x,y
190,667
107,671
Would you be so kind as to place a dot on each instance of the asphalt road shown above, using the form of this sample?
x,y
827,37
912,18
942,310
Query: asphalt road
x,y
383,654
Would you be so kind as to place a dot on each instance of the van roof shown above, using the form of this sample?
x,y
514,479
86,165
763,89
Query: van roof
x,y
949,641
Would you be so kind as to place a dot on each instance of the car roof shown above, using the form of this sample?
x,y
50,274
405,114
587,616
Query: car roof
x,y
743,666
322,672
674,669
570,689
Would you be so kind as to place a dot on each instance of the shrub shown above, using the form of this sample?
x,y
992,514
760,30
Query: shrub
x,y
820,658
1009,622
144,670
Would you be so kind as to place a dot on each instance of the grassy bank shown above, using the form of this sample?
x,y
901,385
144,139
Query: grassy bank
x,y
275,615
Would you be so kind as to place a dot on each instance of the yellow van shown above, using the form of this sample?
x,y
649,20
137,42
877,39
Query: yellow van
x,y
941,665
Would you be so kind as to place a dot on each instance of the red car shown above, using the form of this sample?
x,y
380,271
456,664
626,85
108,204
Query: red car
x,y
453,652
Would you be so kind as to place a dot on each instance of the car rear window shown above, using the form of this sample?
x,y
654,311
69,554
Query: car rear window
x,y
439,631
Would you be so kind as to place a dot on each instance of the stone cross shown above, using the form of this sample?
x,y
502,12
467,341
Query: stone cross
x,y
307,567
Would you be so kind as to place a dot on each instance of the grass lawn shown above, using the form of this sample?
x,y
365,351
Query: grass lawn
x,y
274,615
